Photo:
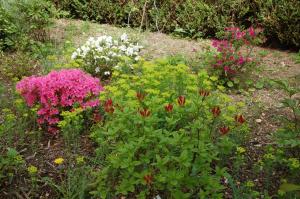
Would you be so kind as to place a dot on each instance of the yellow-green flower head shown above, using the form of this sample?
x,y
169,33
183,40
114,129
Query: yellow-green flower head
x,y
294,163
240,150
32,169
59,161
80,159
249,184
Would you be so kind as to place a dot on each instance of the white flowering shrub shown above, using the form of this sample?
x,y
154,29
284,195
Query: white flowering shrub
x,y
100,56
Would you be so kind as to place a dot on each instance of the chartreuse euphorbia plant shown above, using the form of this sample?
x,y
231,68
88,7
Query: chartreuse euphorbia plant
x,y
166,133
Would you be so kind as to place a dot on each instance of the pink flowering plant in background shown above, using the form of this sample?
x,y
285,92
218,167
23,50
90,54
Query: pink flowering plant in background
x,y
234,52
57,92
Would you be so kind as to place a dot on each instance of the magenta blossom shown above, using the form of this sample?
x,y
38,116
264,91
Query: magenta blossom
x,y
251,32
59,91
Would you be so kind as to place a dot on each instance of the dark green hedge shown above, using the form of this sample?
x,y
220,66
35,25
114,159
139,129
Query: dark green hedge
x,y
280,19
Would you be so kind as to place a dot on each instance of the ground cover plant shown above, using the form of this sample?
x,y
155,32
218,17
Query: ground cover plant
x,y
178,118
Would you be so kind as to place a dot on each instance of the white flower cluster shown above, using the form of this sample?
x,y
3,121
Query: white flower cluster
x,y
102,53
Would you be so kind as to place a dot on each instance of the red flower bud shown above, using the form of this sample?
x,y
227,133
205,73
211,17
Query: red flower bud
x,y
224,130
108,106
148,179
181,100
204,93
109,109
97,117
240,119
108,102
169,108
216,111
140,96
145,112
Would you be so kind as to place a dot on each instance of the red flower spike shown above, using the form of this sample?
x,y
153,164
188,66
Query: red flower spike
x,y
204,93
97,117
109,102
145,112
109,109
224,130
240,119
169,108
140,96
216,111
181,100
148,179
108,106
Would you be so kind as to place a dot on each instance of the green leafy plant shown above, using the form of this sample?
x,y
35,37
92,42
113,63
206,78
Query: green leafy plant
x,y
71,126
202,18
75,178
284,154
165,133
280,19
15,66
10,164
25,22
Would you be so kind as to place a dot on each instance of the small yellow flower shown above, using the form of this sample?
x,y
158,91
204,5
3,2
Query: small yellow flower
x,y
80,159
32,169
240,150
294,163
58,161
249,184
269,156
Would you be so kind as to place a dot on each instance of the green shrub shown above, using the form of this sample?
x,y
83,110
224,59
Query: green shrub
x,y
165,133
284,156
201,18
14,66
7,30
10,164
25,21
281,20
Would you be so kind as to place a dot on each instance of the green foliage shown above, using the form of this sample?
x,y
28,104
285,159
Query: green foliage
x,y
15,66
297,57
281,19
190,18
71,126
24,22
10,164
7,29
76,179
160,135
193,13
286,153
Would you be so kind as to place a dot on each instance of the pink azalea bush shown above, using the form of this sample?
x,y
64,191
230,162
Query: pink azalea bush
x,y
59,91
230,60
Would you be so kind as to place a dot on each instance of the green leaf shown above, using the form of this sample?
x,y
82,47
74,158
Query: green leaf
x,y
249,82
214,78
259,85
236,81
230,84
286,187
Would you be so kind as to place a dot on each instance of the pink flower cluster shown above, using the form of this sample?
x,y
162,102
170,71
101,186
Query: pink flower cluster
x,y
230,60
59,91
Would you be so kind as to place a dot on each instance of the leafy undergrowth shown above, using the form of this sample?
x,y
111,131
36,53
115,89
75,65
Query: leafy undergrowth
x,y
165,128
